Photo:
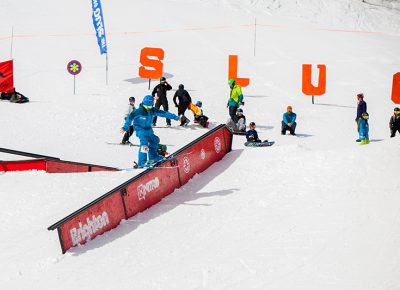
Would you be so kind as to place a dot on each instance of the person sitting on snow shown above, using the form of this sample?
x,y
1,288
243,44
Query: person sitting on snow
x,y
199,117
142,119
289,122
252,135
238,123
364,128
394,123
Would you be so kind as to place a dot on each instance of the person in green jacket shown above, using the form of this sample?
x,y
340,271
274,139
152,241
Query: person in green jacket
x,y
235,98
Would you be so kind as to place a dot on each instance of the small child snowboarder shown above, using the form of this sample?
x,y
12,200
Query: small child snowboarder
x,y
394,123
364,129
128,134
252,135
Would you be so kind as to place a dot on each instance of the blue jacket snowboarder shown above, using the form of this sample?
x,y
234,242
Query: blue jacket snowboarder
x,y
142,119
364,128
289,122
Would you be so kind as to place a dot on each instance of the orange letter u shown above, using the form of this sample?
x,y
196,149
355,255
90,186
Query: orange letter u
x,y
308,88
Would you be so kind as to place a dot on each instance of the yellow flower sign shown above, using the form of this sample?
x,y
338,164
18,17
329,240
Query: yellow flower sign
x,y
74,67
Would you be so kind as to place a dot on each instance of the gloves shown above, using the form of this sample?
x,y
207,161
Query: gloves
x,y
241,103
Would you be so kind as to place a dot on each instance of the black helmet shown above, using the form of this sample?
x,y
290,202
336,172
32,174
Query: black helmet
x,y
252,124
181,86
365,115
162,79
397,109
239,111
131,99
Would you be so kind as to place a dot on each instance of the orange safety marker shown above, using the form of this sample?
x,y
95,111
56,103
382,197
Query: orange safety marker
x,y
232,73
308,88
146,62
396,88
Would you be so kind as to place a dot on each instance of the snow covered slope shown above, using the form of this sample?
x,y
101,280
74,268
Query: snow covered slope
x,y
316,211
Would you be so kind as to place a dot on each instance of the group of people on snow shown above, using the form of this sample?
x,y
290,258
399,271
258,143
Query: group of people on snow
x,y
237,120
142,119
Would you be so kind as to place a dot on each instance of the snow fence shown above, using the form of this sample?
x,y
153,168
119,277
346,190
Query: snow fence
x,y
143,190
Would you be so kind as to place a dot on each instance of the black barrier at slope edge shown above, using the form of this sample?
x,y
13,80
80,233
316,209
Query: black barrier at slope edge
x,y
123,185
27,154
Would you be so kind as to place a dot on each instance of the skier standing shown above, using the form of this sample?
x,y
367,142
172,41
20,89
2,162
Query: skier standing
x,y
361,108
394,123
235,98
184,102
142,119
160,95
128,134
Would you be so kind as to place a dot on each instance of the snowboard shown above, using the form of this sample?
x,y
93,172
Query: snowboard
x,y
259,144
239,133
156,164
115,143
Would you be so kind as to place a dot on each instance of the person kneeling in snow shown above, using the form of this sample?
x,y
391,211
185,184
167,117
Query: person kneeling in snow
x,y
289,122
142,119
252,135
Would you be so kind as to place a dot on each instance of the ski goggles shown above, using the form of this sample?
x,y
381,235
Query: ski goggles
x,y
147,107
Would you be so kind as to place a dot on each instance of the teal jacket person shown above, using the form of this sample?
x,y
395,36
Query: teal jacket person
x,y
142,119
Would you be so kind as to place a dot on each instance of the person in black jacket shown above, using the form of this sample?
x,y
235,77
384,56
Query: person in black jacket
x,y
184,102
394,123
361,108
160,94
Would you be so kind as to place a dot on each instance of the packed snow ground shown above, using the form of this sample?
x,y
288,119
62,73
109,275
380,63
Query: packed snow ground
x,y
316,211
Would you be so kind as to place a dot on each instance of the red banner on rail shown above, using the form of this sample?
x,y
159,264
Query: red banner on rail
x,y
144,190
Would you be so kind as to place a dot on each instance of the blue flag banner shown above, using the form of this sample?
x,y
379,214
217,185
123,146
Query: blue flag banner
x,y
98,23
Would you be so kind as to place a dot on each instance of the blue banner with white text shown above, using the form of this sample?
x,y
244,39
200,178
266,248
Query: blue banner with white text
x,y
98,23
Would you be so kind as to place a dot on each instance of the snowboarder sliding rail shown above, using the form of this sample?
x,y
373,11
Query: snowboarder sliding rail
x,y
142,119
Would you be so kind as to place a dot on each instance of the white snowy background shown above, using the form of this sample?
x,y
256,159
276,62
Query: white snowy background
x,y
317,211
